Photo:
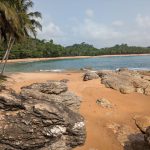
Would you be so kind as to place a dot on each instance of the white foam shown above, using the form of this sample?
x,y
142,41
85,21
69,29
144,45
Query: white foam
x,y
53,70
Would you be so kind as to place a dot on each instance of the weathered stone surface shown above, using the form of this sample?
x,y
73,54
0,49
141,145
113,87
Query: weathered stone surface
x,y
125,81
104,103
39,122
36,91
142,122
90,76
51,87
9,101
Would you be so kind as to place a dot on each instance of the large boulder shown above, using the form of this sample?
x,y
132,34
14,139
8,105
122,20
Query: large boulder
x,y
125,81
51,91
39,123
90,76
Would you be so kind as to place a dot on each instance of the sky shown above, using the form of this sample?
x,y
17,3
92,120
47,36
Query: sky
x,y
102,23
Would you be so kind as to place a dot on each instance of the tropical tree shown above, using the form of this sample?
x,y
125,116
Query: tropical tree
x,y
16,23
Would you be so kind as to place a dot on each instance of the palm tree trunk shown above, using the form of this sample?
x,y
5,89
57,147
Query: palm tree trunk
x,y
8,45
7,56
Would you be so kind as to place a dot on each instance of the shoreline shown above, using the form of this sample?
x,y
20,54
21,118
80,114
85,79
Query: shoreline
x,y
70,57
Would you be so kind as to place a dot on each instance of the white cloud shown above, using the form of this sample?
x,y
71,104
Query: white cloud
x,y
100,34
143,21
118,23
51,31
91,30
103,35
89,13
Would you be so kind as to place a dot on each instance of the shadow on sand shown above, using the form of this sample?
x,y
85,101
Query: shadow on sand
x,y
136,142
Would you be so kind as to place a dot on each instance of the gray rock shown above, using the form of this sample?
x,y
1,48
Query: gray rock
x,y
51,87
36,92
38,122
90,76
125,81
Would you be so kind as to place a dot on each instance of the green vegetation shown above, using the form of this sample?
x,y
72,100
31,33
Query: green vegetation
x,y
16,24
35,48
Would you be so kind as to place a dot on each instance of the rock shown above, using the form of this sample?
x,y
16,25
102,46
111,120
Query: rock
x,y
140,90
146,78
64,97
142,122
51,87
147,135
37,122
128,137
147,91
122,132
104,103
126,81
9,101
90,76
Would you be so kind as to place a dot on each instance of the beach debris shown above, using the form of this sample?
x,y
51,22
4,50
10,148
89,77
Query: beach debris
x,y
32,120
90,75
126,81
104,103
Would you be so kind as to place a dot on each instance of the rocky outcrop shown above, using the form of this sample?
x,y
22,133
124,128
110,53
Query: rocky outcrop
x,y
125,81
90,76
52,91
42,117
143,124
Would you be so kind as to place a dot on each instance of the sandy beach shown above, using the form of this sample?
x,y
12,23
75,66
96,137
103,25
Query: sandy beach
x,y
99,136
60,58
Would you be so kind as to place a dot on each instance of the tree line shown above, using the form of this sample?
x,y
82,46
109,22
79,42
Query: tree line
x,y
17,23
35,48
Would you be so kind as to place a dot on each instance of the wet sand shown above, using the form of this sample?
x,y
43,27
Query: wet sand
x,y
99,137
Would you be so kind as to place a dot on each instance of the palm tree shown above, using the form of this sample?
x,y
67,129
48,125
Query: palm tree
x,y
16,23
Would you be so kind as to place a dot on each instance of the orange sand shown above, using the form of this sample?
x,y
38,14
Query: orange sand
x,y
99,137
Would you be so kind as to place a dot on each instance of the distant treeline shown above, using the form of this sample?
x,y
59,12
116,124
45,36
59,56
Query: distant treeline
x,y
35,48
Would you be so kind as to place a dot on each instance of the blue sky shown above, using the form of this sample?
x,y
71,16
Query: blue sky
x,y
102,23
